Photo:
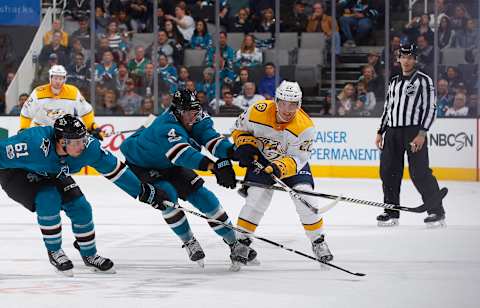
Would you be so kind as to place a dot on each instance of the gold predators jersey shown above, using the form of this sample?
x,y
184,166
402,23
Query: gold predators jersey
x,y
43,107
287,144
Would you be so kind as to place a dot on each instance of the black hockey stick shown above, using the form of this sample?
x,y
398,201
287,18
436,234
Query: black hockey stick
x,y
419,209
147,123
178,206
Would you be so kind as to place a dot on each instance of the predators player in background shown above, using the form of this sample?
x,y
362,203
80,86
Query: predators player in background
x,y
164,155
279,134
51,101
48,155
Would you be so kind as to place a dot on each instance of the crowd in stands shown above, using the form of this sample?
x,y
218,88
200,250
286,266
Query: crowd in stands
x,y
124,73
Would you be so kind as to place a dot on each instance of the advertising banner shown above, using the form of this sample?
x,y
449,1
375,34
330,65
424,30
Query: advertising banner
x,y
20,13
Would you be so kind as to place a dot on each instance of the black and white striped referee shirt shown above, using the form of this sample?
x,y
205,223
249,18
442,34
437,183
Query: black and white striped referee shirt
x,y
410,102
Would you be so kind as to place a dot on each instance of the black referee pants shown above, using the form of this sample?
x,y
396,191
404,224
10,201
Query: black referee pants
x,y
396,142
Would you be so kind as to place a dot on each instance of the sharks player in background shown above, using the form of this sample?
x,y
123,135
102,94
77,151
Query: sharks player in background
x,y
279,134
47,155
168,150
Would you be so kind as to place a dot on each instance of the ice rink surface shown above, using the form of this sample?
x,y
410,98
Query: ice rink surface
x,y
408,266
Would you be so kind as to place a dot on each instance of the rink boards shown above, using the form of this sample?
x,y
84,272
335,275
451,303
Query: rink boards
x,y
343,147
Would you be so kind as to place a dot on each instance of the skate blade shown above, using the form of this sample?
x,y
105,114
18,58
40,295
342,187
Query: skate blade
x,y
436,225
235,266
391,223
201,263
67,273
254,262
324,268
109,271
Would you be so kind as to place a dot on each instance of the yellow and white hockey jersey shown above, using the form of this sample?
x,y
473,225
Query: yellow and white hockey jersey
x,y
43,107
288,145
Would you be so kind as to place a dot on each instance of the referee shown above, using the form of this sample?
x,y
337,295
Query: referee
x,y
409,112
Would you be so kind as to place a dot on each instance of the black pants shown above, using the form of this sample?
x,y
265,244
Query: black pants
x,y
396,143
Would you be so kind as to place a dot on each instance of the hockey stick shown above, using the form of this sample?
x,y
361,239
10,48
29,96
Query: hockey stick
x,y
178,206
294,194
419,209
147,123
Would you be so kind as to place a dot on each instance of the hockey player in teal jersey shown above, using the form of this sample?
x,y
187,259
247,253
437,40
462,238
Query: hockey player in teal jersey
x,y
35,168
165,153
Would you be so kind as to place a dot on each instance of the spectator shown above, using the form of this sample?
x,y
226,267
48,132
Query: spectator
x,y
235,6
215,104
248,55
139,12
110,7
136,66
248,96
267,22
345,100
453,77
76,49
445,33
243,77
460,17
202,98
185,23
321,22
124,21
190,86
267,86
101,21
357,21
167,73
115,42
15,111
164,47
365,102
373,59
444,98
130,101
42,74
147,107
227,75
419,26
56,27
109,106
76,10
208,83
394,53
176,40
183,77
147,81
459,108
106,72
226,52
121,79
374,82
201,39
100,50
165,102
425,56
83,32
56,48
296,22
240,23
78,73
203,10
468,37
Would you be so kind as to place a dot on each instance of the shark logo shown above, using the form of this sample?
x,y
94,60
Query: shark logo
x,y
45,146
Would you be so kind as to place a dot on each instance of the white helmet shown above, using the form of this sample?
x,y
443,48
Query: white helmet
x,y
57,70
289,91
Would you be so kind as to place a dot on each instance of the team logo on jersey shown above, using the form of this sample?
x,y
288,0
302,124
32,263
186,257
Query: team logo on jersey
x,y
271,149
55,113
261,107
410,90
45,146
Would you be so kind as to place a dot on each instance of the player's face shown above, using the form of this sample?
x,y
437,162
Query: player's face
x,y
287,110
74,147
57,82
407,62
189,118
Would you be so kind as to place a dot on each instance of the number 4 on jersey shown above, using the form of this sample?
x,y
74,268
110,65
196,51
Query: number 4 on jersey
x,y
172,136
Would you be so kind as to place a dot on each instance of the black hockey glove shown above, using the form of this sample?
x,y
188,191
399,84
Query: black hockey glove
x,y
153,196
97,133
273,168
224,173
246,154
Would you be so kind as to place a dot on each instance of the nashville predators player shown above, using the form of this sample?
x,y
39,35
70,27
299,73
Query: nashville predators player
x,y
279,134
51,101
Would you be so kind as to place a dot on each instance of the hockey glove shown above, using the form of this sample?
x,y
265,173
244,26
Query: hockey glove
x,y
246,154
224,173
273,169
153,196
97,133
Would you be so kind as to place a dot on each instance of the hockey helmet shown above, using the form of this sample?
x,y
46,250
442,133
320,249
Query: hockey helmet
x,y
289,91
57,70
69,127
185,100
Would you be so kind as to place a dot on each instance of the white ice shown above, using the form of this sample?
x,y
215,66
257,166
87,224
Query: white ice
x,y
408,266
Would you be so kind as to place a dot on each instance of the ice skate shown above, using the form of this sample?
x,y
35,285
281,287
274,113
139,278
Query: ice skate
x,y
387,220
238,255
435,221
321,250
195,251
61,262
97,263
252,255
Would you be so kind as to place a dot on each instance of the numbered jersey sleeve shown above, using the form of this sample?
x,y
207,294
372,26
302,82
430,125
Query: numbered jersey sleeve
x,y
205,134
24,150
301,149
112,168
177,149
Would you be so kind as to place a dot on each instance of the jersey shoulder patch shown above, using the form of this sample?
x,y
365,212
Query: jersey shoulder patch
x,y
263,113
43,91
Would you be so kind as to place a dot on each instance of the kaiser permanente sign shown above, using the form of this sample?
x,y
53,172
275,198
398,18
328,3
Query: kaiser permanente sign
x,y
344,147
